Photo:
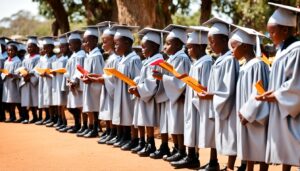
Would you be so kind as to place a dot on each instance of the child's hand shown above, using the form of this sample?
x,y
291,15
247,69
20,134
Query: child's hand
x,y
243,120
134,90
267,96
157,75
86,80
205,95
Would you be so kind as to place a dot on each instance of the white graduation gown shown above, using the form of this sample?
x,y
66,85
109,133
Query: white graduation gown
x,y
283,143
123,110
107,92
199,128
146,109
11,93
29,90
174,89
93,63
45,83
74,96
59,95
252,138
222,83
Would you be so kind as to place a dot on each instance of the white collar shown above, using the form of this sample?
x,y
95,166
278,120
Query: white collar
x,y
220,58
152,58
248,64
282,53
177,53
129,56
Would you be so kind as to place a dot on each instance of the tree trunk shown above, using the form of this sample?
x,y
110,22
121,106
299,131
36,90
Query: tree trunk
x,y
205,10
137,12
60,14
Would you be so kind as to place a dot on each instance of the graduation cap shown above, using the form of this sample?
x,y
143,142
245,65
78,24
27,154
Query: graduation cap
x,y
107,28
47,40
125,31
62,39
153,35
198,35
21,46
91,31
73,35
32,40
13,43
106,23
177,31
4,40
247,36
284,15
218,26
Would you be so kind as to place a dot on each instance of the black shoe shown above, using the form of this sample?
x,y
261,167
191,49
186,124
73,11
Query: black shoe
x,y
107,138
139,147
19,120
162,151
145,152
210,167
81,130
112,141
122,141
40,122
32,121
176,157
25,121
174,151
74,130
11,120
47,121
186,162
50,124
132,144
91,134
63,129
83,133
60,127
105,134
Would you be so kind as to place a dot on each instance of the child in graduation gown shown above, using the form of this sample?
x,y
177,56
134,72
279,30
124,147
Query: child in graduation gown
x,y
11,95
72,84
252,116
107,91
146,109
29,81
283,94
171,121
198,126
221,91
93,63
59,94
45,81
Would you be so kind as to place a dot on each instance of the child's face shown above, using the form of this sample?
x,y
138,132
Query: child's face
x,y
63,48
276,33
146,49
120,46
236,48
74,45
31,48
11,51
108,43
216,43
192,50
90,42
48,49
170,46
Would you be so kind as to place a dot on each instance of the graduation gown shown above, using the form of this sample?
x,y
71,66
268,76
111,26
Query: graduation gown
x,y
222,83
74,96
58,93
11,92
29,90
283,143
146,109
175,89
252,138
199,128
123,109
3,57
107,92
45,83
93,63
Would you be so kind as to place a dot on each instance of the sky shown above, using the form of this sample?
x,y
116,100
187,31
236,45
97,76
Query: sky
x,y
9,7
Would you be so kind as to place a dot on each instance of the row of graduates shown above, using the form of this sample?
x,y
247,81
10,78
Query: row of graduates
x,y
229,116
